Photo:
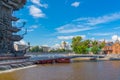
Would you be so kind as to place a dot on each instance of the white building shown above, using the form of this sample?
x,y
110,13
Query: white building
x,y
62,45
45,48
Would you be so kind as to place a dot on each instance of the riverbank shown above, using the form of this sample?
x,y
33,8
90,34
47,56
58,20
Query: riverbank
x,y
88,57
15,69
52,59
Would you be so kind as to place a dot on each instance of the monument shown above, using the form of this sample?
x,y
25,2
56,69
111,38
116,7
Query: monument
x,y
7,31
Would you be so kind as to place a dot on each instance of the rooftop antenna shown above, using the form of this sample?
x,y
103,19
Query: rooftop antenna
x,y
104,40
117,40
117,37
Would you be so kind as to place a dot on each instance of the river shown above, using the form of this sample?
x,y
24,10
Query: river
x,y
101,70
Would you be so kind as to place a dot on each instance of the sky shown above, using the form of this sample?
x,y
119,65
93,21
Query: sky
x,y
49,22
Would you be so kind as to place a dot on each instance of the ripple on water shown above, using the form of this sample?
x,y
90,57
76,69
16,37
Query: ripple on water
x,y
103,70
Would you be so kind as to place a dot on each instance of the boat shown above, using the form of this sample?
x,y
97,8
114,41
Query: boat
x,y
50,61
62,60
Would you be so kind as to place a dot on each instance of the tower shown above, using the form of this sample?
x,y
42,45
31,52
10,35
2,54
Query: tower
x,y
63,45
7,31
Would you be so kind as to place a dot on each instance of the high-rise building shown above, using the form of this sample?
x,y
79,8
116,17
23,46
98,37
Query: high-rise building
x,y
64,45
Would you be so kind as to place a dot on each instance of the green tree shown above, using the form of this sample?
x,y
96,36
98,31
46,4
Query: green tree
x,y
76,42
80,46
87,43
94,43
95,49
82,49
36,49
102,45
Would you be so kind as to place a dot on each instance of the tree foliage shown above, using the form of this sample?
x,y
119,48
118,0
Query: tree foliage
x,y
102,45
83,47
76,42
79,46
36,49
95,49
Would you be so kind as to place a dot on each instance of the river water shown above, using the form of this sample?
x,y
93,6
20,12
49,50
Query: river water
x,y
101,70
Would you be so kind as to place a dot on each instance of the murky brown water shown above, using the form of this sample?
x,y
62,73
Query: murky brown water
x,y
103,70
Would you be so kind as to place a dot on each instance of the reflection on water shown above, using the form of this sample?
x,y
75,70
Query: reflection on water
x,y
103,70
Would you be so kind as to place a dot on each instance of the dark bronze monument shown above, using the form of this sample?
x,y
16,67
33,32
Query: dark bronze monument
x,y
7,31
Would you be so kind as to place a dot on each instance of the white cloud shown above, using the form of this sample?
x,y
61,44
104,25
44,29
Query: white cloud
x,y
115,37
69,37
75,4
31,28
100,34
65,37
45,45
34,26
21,42
28,30
36,12
101,19
19,23
87,23
70,28
106,40
56,46
37,2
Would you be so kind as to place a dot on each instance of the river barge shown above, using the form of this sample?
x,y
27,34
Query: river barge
x,y
53,61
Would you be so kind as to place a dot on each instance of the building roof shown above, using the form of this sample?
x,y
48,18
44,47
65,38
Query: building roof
x,y
109,44
117,41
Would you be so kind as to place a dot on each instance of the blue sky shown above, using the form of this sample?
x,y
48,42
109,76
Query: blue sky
x,y
51,21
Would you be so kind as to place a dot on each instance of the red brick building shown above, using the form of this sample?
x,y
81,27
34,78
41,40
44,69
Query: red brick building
x,y
112,48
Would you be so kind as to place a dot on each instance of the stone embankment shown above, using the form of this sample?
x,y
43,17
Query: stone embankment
x,y
7,64
89,57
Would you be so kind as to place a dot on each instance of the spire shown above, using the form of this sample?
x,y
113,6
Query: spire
x,y
117,40
104,41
